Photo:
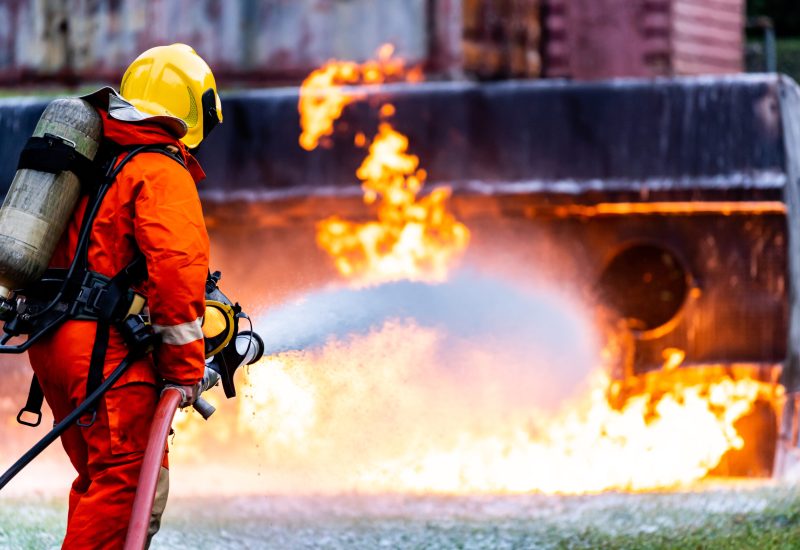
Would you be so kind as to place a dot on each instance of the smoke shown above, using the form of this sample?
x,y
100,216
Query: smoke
x,y
538,336
469,305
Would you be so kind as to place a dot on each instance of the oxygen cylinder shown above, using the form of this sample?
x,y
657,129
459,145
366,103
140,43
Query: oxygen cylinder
x,y
38,205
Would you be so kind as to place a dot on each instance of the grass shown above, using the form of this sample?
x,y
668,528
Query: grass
x,y
729,518
763,518
32,524
789,57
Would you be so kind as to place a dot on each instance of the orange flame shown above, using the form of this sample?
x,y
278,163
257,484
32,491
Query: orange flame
x,y
414,238
590,448
322,94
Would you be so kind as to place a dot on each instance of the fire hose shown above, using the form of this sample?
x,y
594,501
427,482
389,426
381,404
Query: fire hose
x,y
246,350
171,399
151,466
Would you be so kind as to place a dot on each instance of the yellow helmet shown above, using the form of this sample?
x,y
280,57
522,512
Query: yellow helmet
x,y
174,81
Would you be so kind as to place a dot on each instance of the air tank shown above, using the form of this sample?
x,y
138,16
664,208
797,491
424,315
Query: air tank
x,y
38,205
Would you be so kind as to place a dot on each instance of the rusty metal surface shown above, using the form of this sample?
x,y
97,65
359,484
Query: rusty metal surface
x,y
604,39
595,39
707,36
502,38
252,39
73,41
718,139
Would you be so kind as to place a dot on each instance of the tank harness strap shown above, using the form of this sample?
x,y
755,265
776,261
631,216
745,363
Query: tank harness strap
x,y
33,405
54,154
107,301
112,306
167,151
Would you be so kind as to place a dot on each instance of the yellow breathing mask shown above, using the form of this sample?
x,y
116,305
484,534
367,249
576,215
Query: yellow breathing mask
x,y
218,326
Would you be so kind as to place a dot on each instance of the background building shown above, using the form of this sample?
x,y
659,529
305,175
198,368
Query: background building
x,y
279,41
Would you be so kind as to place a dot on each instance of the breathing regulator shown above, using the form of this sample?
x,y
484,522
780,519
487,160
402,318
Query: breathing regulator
x,y
227,348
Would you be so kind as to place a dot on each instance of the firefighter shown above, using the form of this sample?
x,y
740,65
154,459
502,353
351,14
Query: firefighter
x,y
168,97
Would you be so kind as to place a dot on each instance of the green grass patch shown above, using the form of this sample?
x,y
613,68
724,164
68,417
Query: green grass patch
x,y
764,518
789,57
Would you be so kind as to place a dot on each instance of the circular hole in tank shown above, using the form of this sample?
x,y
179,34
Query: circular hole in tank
x,y
645,284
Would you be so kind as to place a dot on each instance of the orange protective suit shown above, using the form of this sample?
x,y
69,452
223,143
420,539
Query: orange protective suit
x,y
153,206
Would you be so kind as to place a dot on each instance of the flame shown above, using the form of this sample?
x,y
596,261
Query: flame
x,y
414,238
387,417
645,446
673,357
322,101
322,94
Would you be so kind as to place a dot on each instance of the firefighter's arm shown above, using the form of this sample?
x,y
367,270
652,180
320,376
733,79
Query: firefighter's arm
x,y
171,233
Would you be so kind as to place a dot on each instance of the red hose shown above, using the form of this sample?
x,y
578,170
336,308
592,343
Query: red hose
x,y
151,467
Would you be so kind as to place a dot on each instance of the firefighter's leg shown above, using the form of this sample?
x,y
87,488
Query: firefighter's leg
x,y
72,441
116,444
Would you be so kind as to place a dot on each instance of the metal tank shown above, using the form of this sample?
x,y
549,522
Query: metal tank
x,y
39,204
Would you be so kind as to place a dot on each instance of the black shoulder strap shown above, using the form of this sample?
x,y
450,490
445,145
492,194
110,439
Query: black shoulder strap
x,y
33,405
166,151
53,154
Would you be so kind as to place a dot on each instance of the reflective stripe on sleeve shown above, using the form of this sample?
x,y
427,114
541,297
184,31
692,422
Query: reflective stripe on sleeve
x,y
180,335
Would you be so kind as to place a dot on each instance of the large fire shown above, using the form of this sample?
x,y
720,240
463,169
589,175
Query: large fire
x,y
397,409
443,438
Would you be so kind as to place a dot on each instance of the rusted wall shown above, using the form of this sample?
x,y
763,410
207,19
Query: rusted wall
x,y
605,39
707,36
502,38
555,39
263,41
253,39
592,39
